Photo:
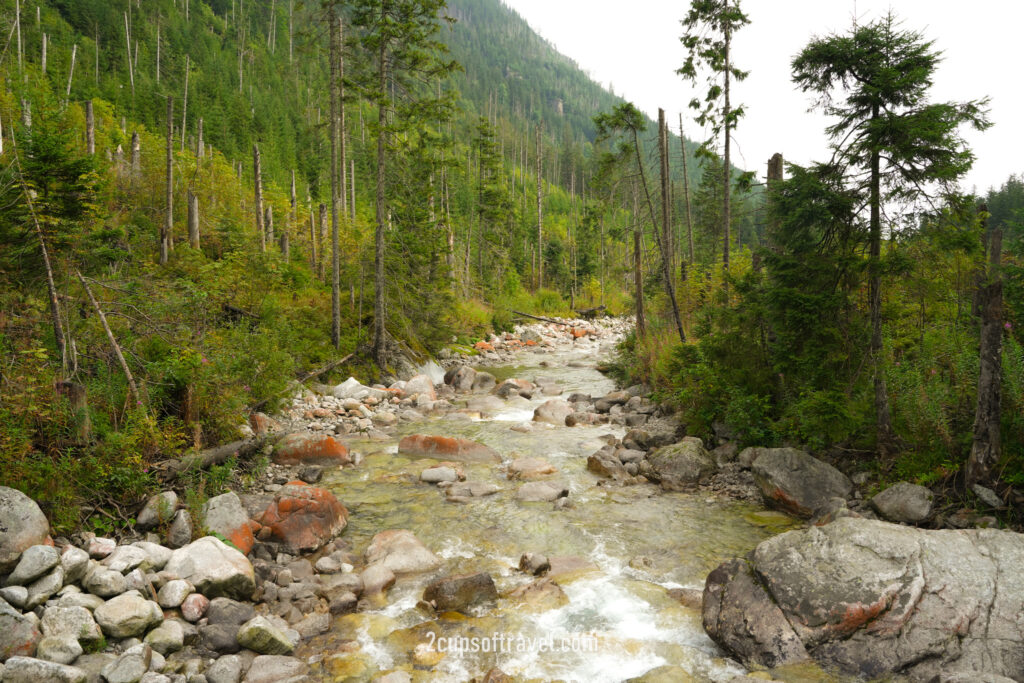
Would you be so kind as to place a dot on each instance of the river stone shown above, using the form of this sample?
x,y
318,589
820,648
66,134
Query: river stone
x,y
28,670
447,448
486,404
194,607
987,496
35,562
180,532
61,649
220,638
439,473
159,509
681,465
553,412
276,669
104,582
420,385
228,611
874,599
541,491
530,468
458,593
22,526
904,502
214,569
131,666
76,622
100,547
86,600
125,558
798,483
225,515
603,463
401,552
465,491
484,382
303,518
307,448
40,590
19,634
376,579
128,615
460,378
16,596
226,669
259,635
538,596
75,562
166,638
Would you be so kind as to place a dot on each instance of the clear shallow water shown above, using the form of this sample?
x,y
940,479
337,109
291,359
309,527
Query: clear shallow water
x,y
619,620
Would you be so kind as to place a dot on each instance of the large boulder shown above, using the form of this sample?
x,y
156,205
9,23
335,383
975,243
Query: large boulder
x,y
420,385
798,483
401,552
22,525
447,448
553,412
904,502
226,515
303,518
352,388
460,378
680,465
458,593
77,622
306,448
874,599
34,563
214,568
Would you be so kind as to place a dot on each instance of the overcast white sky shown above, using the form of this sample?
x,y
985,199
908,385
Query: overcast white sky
x,y
634,46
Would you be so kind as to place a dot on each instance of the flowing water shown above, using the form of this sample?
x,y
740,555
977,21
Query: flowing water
x,y
619,620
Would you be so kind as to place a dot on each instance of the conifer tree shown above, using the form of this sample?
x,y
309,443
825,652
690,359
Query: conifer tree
x,y
895,144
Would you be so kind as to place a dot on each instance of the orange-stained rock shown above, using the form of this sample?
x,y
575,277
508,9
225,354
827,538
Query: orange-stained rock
x,y
447,448
311,449
530,342
483,346
262,423
303,518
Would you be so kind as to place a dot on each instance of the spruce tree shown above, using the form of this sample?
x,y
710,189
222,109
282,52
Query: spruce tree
x,y
895,145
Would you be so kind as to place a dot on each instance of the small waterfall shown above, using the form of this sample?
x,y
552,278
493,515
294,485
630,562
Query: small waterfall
x,y
432,370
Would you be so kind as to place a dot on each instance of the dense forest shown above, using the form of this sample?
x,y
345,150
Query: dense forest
x,y
204,200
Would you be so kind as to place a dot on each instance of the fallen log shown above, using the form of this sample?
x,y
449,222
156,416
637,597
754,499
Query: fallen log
x,y
537,317
217,455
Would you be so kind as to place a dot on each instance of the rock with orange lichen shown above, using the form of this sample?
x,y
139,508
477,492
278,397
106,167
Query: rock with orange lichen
x,y
305,448
302,518
447,448
797,482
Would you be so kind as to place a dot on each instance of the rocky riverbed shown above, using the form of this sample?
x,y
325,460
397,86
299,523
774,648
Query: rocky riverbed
x,y
512,516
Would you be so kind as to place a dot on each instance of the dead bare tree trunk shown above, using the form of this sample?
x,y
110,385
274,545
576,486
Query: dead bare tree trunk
x,y
200,145
90,129
686,194
71,72
314,254
540,212
136,157
79,403
165,234
987,445
184,106
128,47
638,274
322,238
113,341
268,221
666,267
193,220
258,184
